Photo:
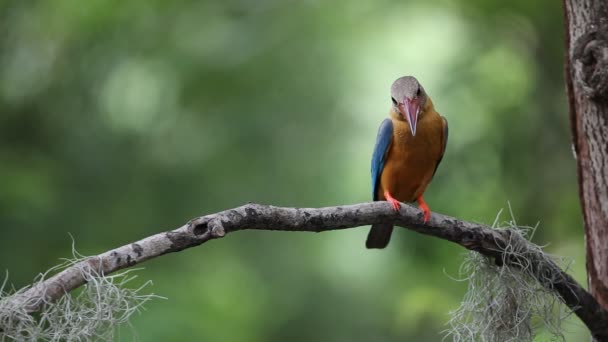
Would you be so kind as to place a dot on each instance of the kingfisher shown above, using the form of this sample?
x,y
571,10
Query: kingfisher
x,y
409,147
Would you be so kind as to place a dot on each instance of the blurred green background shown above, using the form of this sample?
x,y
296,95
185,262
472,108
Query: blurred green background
x,y
122,119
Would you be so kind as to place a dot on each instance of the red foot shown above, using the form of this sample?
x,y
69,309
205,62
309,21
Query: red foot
x,y
425,209
396,205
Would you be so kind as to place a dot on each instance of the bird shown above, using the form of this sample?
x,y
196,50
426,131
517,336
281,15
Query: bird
x,y
409,147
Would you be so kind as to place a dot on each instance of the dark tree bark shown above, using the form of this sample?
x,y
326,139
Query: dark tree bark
x,y
587,85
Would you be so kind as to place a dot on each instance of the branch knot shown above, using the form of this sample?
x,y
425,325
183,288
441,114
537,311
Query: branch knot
x,y
217,228
591,51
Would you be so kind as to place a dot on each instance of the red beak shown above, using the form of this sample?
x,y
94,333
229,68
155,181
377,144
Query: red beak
x,y
410,109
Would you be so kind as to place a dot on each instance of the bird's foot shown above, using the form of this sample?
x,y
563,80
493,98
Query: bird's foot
x,y
425,209
396,205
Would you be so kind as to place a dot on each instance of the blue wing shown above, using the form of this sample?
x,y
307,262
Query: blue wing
x,y
383,141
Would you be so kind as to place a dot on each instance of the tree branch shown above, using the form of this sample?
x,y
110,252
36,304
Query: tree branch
x,y
476,237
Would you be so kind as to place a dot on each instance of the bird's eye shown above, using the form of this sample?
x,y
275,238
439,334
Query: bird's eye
x,y
394,101
418,92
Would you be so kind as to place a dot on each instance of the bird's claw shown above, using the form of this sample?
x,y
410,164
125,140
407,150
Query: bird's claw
x,y
425,209
394,203
427,214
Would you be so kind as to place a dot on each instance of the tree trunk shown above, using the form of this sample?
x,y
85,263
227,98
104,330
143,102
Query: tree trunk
x,y
586,66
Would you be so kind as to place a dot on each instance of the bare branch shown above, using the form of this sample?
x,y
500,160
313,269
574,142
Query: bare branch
x,y
476,237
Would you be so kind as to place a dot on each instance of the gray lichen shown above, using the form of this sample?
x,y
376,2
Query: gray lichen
x,y
507,303
92,313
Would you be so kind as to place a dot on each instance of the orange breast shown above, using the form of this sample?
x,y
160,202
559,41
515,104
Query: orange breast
x,y
411,161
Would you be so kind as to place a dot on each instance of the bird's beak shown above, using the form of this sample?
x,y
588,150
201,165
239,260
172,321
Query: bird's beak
x,y
410,110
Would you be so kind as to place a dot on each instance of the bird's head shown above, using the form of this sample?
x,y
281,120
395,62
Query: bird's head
x,y
409,100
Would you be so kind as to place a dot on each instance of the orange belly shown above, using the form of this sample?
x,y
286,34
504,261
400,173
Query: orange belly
x,y
411,161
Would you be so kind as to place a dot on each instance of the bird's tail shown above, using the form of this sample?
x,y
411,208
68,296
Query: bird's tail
x,y
379,235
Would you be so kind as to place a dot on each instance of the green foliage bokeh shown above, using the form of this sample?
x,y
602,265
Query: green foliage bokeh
x,y
122,119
